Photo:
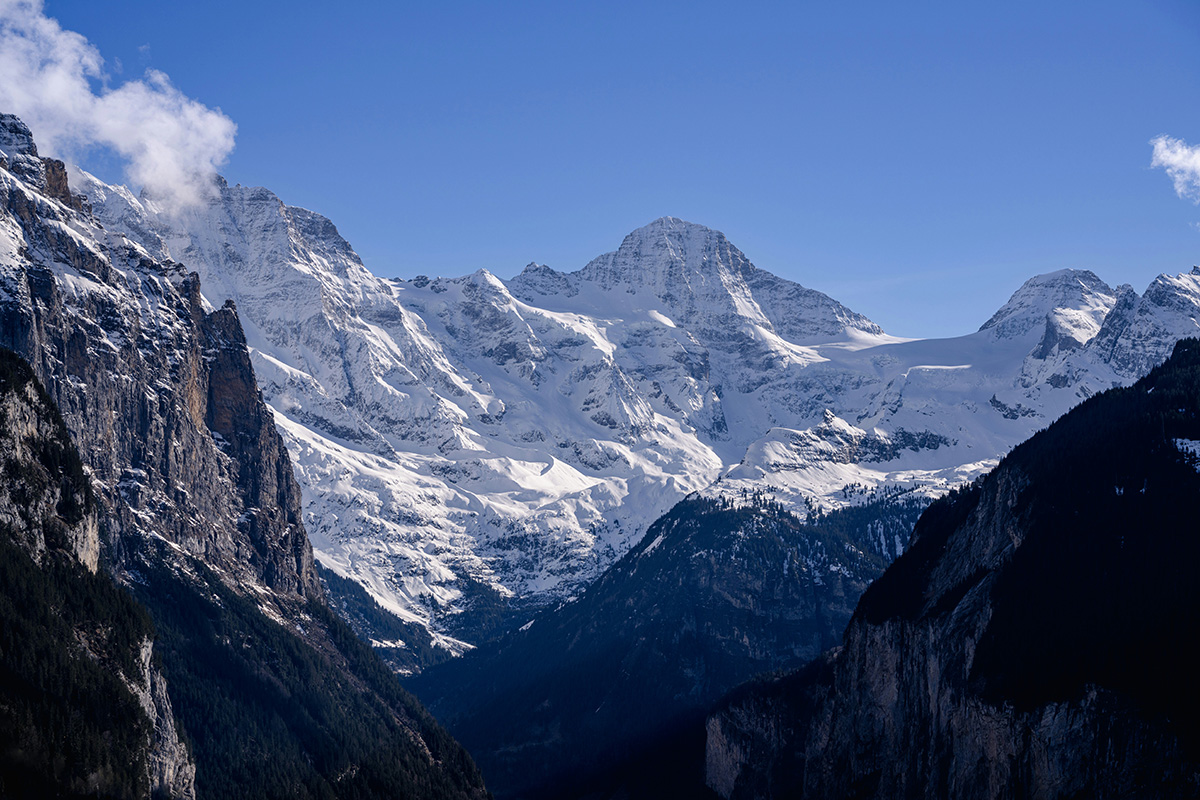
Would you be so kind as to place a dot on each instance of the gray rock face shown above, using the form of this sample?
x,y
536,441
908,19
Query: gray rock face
x,y
30,497
160,397
19,154
172,772
15,137
199,517
1140,331
158,393
913,738
46,512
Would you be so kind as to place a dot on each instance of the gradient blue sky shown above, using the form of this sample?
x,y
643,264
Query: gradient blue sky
x,y
917,161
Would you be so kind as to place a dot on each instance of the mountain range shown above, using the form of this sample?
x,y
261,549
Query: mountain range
x,y
472,449
606,694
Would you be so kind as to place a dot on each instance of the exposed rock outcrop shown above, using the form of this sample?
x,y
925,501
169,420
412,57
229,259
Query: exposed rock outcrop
x,y
38,508
158,392
47,508
172,771
198,518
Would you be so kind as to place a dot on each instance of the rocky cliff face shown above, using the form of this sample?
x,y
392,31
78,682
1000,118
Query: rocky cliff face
x,y
200,517
54,331
35,502
18,153
1027,642
48,510
157,390
1142,330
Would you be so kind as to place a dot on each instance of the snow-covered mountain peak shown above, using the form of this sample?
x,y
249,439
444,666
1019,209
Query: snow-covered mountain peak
x,y
1173,288
666,255
291,226
121,211
539,280
20,154
701,281
1066,308
15,137
467,440
1140,331
482,277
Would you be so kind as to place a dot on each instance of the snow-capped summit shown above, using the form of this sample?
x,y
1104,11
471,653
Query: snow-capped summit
x,y
691,269
19,151
1073,302
1140,332
701,278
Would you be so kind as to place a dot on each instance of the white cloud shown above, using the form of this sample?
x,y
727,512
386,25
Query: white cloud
x,y
172,144
1182,163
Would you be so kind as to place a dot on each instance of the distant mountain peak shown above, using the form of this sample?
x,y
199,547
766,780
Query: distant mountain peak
x,y
671,224
1072,301
664,253
702,279
674,227
540,280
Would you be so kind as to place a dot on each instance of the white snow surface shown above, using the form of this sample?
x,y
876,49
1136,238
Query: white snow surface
x,y
1189,447
523,434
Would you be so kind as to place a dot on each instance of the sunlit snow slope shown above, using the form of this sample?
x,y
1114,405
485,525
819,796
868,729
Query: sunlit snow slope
x,y
467,437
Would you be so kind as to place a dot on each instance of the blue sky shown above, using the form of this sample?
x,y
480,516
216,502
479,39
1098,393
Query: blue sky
x,y
916,161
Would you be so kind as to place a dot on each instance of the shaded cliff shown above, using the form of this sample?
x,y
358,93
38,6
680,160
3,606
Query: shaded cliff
x,y
198,514
83,710
1033,641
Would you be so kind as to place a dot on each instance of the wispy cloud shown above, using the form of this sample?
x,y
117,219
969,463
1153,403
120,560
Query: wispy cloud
x,y
54,79
1182,163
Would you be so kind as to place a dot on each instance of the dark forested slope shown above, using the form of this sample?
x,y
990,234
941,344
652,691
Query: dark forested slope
x,y
585,695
